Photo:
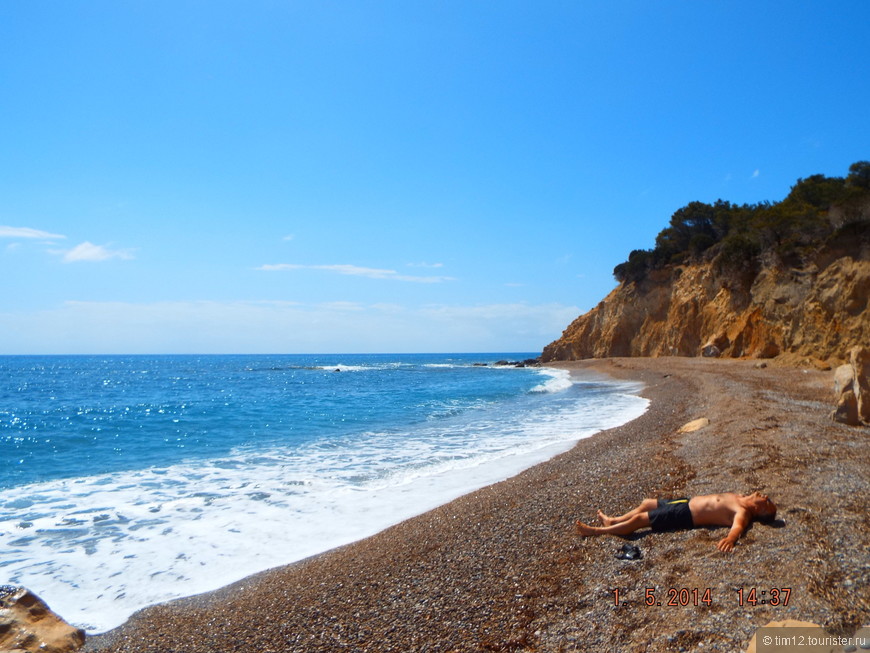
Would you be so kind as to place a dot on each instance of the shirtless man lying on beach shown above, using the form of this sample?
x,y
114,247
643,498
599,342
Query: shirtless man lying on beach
x,y
727,509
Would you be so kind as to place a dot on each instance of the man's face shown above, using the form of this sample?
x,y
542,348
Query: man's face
x,y
763,504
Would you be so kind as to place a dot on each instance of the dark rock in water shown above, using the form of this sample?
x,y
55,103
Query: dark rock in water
x,y
28,625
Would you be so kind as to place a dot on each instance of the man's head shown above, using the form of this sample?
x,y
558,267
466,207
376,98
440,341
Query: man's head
x,y
762,507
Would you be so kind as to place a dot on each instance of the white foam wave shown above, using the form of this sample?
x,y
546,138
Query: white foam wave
x,y
98,548
342,367
558,381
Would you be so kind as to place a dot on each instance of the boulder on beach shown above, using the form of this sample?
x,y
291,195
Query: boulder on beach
x,y
852,389
710,351
27,625
694,425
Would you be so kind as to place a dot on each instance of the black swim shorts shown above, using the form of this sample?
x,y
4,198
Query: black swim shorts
x,y
671,515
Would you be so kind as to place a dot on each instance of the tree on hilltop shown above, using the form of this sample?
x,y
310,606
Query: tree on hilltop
x,y
737,237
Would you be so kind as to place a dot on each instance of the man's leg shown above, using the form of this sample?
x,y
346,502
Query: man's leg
x,y
645,506
622,528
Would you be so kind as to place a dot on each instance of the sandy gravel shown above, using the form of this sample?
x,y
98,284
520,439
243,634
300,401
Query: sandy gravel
x,y
501,570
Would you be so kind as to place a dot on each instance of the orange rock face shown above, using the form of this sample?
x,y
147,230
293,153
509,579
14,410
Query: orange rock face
x,y
28,625
817,312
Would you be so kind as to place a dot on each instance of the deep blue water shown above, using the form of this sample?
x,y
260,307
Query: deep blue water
x,y
67,416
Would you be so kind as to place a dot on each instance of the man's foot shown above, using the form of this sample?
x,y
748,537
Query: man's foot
x,y
584,529
607,521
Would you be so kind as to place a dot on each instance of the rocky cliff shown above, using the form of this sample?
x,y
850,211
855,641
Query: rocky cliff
x,y
788,279
816,311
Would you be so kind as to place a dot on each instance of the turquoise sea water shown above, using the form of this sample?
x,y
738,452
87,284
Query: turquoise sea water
x,y
126,481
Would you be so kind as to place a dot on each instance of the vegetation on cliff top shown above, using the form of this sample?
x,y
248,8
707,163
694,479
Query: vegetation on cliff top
x,y
819,211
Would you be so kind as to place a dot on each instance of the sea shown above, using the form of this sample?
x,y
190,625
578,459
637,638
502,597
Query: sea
x,y
127,481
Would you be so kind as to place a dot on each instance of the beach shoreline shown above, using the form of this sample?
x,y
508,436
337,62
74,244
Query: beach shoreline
x,y
500,568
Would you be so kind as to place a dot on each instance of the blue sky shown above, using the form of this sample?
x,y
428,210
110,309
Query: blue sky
x,y
293,177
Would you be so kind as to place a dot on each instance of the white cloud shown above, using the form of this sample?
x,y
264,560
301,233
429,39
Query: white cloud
x,y
425,265
356,271
87,251
289,237
280,327
756,173
27,232
342,306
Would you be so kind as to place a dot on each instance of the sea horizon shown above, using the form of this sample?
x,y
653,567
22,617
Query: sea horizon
x,y
514,354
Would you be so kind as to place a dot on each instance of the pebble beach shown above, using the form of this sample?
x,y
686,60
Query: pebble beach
x,y
501,569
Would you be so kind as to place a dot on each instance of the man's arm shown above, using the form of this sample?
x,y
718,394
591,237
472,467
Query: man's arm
x,y
741,521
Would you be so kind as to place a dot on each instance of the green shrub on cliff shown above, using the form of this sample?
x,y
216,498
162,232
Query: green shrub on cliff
x,y
738,237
